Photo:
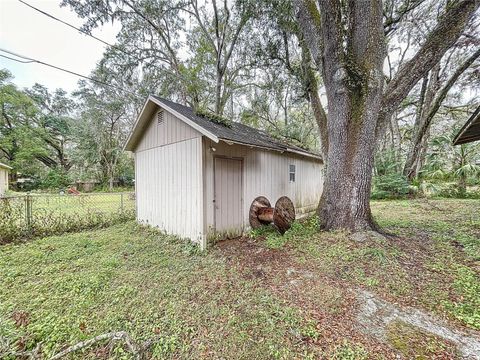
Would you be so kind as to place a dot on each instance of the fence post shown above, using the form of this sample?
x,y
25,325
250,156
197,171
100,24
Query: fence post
x,y
28,211
121,202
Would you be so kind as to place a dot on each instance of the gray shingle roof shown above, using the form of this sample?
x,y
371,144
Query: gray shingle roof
x,y
238,133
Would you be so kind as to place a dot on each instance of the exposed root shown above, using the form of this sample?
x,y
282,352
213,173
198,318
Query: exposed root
x,y
363,236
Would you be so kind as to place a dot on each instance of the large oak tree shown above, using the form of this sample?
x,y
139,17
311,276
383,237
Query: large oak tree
x,y
347,41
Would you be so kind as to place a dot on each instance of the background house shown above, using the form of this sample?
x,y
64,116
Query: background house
x,y
195,177
4,171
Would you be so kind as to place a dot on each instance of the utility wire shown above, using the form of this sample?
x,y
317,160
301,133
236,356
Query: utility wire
x,y
10,58
78,29
30,60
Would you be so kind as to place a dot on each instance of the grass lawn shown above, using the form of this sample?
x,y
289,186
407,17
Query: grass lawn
x,y
55,214
79,204
260,297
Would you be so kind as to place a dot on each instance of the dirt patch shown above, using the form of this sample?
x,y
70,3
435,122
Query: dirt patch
x,y
325,301
339,312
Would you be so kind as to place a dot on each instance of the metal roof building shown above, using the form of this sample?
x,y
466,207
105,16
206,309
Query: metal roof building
x,y
470,131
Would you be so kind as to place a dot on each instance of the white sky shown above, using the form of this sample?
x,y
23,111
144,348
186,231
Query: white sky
x,y
30,33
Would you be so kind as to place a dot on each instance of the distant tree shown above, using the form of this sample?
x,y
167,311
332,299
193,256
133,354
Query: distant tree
x,y
432,96
447,162
210,67
101,131
17,140
52,125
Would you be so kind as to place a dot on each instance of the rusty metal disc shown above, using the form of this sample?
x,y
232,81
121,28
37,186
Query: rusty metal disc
x,y
284,214
257,203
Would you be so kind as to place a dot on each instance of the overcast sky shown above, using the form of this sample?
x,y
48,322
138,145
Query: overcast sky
x,y
30,33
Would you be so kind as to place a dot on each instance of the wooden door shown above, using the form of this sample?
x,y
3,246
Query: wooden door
x,y
228,196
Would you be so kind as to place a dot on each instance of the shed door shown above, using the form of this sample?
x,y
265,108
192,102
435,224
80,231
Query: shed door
x,y
228,197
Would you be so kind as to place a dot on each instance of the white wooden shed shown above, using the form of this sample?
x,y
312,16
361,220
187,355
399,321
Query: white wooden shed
x,y
4,171
196,178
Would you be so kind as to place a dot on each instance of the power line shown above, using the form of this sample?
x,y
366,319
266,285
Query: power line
x,y
30,60
10,58
76,28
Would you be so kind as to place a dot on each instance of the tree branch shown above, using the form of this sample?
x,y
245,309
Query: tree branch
x,y
440,39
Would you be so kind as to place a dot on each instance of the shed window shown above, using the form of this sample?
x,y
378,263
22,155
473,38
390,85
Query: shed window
x,y
291,171
160,117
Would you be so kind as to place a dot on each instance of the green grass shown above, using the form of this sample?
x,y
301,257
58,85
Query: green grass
x,y
74,287
432,263
60,290
414,343
75,204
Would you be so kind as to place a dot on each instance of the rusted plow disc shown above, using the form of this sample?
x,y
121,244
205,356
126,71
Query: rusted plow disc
x,y
284,214
258,203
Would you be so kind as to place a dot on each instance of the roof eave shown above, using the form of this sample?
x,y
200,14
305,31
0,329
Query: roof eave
x,y
5,166
470,122
131,142
186,120
231,142
306,154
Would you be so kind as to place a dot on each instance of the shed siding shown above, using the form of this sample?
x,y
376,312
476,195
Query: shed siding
x,y
168,181
172,130
266,173
3,181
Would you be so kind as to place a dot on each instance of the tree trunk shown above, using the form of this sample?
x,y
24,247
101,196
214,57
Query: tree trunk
x,y
347,40
311,86
420,128
354,84
218,92
433,99
397,141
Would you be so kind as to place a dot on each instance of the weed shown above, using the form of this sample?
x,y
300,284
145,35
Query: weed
x,y
74,287
349,351
467,308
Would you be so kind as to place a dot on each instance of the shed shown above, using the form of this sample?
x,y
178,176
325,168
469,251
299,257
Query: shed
x,y
470,131
196,178
4,171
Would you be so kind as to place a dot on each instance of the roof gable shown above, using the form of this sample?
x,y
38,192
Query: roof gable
x,y
237,133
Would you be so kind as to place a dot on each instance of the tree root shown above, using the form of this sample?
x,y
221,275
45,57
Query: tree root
x,y
363,236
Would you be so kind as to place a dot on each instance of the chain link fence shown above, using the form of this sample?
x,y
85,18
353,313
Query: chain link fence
x,y
41,214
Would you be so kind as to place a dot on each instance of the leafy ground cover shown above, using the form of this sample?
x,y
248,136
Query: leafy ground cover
x,y
262,296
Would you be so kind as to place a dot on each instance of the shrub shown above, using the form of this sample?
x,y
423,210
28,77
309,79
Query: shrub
x,y
11,219
55,179
390,186
456,192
